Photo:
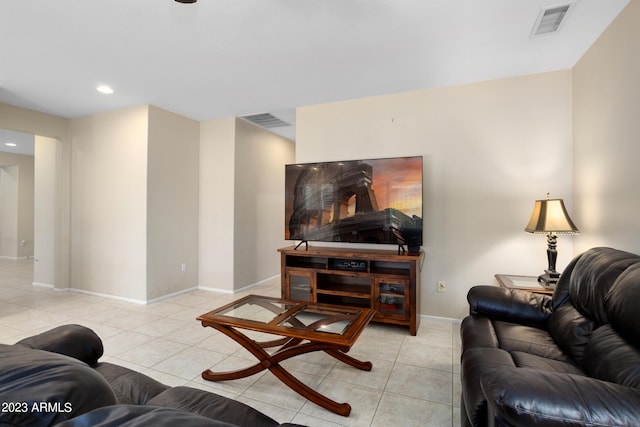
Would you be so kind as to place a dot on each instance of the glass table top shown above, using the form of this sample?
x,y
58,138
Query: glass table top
x,y
292,314
257,309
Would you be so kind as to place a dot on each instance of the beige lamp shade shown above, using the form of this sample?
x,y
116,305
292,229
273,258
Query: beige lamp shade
x,y
550,216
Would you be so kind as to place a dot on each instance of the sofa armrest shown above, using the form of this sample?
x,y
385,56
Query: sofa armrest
x,y
522,396
75,341
511,305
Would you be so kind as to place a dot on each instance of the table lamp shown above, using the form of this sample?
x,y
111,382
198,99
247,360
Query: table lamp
x,y
550,217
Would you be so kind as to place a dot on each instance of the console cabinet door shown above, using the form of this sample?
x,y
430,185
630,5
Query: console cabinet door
x,y
299,285
392,298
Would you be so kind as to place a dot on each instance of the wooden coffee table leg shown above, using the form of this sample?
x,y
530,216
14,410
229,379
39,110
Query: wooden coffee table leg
x,y
304,390
343,357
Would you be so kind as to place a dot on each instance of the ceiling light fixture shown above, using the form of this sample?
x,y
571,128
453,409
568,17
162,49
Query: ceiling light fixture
x,y
104,89
186,1
10,144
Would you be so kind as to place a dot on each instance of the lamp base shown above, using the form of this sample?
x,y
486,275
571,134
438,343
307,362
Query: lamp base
x,y
549,279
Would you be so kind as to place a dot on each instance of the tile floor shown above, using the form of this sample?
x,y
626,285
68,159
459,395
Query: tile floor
x,y
415,381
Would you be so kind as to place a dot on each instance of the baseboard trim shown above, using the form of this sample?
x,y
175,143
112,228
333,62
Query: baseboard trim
x,y
43,285
235,291
171,295
440,319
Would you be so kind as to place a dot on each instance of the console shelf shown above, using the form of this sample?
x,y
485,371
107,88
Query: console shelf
x,y
384,280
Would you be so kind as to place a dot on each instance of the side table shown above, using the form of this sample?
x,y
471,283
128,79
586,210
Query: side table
x,y
525,283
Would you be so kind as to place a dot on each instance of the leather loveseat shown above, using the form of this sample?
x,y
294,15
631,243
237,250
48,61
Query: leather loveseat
x,y
56,379
569,359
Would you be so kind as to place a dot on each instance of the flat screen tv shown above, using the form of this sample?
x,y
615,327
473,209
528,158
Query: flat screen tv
x,y
356,201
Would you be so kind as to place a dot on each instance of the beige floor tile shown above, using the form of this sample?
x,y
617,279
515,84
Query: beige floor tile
x,y
421,383
363,400
397,410
189,363
414,381
151,353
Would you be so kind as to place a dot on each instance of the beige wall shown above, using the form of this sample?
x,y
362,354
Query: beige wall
x,y
109,203
9,182
172,203
33,122
48,173
490,149
260,157
241,203
16,205
40,124
216,209
606,108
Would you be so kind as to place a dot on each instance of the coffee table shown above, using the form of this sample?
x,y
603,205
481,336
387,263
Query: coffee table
x,y
304,327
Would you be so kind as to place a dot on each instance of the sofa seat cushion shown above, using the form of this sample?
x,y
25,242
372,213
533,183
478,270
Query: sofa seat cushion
x,y
212,406
47,387
140,416
483,332
130,387
526,360
514,337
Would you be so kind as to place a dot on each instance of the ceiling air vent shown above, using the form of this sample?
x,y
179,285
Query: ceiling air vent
x,y
550,20
265,120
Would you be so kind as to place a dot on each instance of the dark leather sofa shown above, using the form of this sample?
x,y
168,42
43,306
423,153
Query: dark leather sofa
x,y
570,359
56,379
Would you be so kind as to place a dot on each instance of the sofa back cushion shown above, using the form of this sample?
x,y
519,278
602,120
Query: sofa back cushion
x,y
570,330
622,307
75,341
613,354
608,357
579,298
46,388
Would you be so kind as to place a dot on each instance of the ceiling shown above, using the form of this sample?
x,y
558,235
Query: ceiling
x,y
224,58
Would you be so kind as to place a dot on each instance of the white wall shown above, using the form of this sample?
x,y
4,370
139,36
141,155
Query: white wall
x,y
490,149
260,157
172,203
606,103
109,203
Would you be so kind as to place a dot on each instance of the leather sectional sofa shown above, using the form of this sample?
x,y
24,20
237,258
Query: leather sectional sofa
x,y
568,359
56,379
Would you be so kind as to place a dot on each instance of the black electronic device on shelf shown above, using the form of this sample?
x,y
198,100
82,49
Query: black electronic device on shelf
x,y
348,264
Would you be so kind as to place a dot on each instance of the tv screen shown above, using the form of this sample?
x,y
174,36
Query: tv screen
x,y
356,201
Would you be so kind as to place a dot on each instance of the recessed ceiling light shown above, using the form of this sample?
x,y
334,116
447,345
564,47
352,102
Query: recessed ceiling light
x,y
10,144
104,89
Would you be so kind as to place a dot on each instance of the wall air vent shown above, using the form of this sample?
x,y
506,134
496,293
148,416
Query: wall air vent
x,y
265,120
550,20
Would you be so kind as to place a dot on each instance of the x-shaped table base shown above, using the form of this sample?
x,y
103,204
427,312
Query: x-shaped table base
x,y
289,347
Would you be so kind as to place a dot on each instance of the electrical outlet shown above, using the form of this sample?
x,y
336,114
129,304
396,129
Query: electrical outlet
x,y
442,286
